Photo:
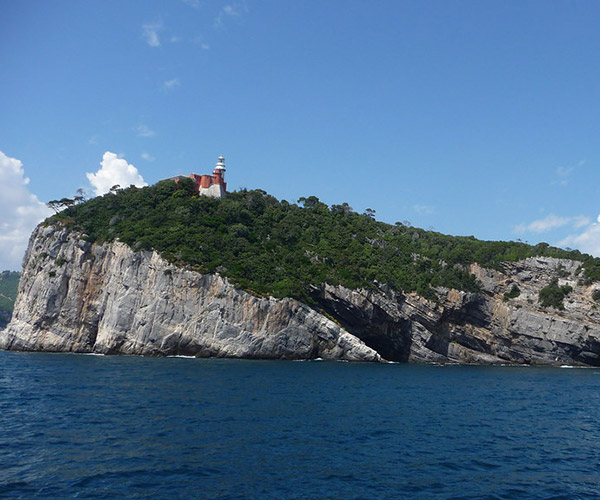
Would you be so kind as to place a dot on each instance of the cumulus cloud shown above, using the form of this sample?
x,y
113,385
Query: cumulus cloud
x,y
150,34
20,212
114,170
551,222
587,241
144,131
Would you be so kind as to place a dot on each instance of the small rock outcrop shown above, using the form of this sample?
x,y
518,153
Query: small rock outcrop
x,y
75,296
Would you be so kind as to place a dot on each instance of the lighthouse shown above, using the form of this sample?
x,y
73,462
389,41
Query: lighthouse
x,y
220,167
212,185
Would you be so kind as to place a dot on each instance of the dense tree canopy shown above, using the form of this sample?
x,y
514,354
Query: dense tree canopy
x,y
275,247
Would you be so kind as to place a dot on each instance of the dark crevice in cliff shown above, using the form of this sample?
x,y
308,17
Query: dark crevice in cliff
x,y
440,342
389,336
473,313
589,354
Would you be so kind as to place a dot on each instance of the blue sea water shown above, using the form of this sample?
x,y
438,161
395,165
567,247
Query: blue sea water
x,y
76,426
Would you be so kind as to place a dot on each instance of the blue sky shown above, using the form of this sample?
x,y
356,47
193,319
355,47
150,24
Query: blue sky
x,y
468,117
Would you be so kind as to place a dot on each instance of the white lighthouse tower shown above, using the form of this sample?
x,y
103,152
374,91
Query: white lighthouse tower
x,y
220,167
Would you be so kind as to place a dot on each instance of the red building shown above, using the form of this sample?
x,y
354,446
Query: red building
x,y
211,185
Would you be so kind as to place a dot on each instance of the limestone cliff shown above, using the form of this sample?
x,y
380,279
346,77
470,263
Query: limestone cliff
x,y
484,328
82,297
75,296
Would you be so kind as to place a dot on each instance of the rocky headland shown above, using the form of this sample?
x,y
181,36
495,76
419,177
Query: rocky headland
x,y
78,296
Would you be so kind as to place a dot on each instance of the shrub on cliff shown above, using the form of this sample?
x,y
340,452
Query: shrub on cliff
x,y
513,293
554,294
9,282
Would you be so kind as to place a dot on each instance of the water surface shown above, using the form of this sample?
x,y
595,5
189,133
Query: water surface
x,y
75,426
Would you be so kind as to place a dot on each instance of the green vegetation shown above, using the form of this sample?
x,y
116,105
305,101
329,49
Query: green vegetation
x,y
9,282
275,247
596,295
513,294
553,294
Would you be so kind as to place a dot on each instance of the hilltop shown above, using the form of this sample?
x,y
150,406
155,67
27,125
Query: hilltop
x,y
273,247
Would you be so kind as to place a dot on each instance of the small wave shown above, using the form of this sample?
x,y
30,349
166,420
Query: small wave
x,y
181,356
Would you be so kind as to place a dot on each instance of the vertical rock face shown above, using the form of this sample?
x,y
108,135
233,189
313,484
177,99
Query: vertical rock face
x,y
81,297
484,328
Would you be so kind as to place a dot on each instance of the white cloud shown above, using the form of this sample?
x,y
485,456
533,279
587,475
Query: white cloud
x,y
150,34
588,241
175,39
563,173
145,131
580,221
230,11
114,170
542,225
171,84
551,222
423,209
148,157
20,212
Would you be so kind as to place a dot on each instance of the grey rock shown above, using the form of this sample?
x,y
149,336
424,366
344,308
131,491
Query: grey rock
x,y
79,297
482,328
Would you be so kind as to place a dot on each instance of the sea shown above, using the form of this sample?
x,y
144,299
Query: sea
x,y
103,427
